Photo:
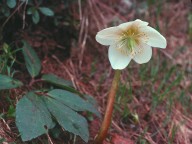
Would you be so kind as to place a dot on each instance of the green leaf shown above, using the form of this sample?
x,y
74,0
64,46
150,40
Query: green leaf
x,y
90,99
35,17
32,117
73,101
11,3
31,10
11,111
5,10
68,119
53,79
32,61
35,14
34,114
2,140
7,82
46,11
190,25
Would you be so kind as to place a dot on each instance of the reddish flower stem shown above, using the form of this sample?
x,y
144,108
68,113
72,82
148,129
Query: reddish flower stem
x,y
109,109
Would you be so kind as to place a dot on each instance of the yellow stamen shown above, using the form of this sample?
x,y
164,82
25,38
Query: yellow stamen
x,y
129,41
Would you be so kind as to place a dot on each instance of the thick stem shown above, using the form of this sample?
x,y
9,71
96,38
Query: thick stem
x,y
109,109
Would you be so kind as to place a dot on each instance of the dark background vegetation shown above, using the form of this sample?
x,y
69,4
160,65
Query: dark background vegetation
x,y
154,101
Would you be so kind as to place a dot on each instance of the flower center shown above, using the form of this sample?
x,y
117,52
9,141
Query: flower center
x,y
129,41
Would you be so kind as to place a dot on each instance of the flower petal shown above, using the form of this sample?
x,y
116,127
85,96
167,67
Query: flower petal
x,y
145,55
137,22
155,39
141,23
107,36
117,59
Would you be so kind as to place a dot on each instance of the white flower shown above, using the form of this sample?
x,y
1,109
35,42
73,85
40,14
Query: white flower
x,y
131,40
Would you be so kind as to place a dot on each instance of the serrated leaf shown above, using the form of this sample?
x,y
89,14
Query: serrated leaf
x,y
53,79
68,119
32,117
7,82
46,11
11,3
35,17
73,101
32,61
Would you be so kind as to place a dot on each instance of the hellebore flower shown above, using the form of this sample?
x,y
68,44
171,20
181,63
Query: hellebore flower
x,y
130,40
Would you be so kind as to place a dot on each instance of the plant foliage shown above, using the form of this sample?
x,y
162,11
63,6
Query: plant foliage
x,y
38,111
7,82
32,61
